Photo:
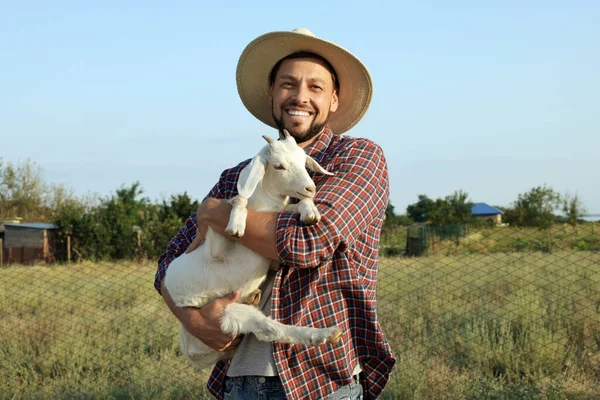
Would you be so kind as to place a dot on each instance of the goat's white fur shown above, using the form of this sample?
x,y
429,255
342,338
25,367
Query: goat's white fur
x,y
222,265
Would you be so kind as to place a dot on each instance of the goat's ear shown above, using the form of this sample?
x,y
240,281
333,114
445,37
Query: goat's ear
x,y
314,166
250,176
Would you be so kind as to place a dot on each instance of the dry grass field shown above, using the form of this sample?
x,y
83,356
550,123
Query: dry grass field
x,y
521,325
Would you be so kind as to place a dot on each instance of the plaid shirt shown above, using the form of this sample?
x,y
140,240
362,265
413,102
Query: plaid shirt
x,y
328,272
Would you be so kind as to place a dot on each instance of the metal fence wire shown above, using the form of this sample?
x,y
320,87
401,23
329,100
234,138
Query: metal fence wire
x,y
475,313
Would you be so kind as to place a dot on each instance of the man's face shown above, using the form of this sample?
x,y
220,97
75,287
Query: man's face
x,y
302,96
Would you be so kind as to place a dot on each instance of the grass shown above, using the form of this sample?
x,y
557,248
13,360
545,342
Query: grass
x,y
89,331
522,325
493,326
584,237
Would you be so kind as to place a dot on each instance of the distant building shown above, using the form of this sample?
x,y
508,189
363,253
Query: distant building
x,y
488,213
27,243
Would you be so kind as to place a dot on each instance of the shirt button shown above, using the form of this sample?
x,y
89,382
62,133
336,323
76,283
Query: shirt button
x,y
261,380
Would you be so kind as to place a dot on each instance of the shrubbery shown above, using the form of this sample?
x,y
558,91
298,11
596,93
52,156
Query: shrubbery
x,y
109,230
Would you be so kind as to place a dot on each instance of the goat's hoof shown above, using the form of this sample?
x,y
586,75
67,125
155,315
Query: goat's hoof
x,y
234,233
311,220
253,298
335,337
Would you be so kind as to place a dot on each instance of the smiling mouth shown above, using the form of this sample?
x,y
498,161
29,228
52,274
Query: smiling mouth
x,y
298,113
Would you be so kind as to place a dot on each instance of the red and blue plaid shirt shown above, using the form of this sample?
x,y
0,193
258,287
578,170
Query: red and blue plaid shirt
x,y
328,272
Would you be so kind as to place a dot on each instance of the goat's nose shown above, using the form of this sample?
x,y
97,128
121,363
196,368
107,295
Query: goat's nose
x,y
310,189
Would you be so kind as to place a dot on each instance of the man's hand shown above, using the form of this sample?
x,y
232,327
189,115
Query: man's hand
x,y
205,323
211,212
207,328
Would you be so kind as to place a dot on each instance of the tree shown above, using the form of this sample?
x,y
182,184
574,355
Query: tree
x,y
392,220
164,221
180,206
420,210
453,209
573,208
119,215
534,208
105,231
21,189
24,192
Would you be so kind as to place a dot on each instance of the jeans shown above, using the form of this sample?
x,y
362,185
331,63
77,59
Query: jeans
x,y
270,388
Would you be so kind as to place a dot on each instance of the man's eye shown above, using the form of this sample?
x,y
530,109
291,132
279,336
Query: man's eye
x,y
279,167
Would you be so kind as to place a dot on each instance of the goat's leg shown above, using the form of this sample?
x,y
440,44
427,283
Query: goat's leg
x,y
293,208
309,214
242,318
237,219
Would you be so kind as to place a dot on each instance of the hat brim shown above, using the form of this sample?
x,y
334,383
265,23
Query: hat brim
x,y
263,53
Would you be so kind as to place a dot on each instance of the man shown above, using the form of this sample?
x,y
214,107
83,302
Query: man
x,y
325,274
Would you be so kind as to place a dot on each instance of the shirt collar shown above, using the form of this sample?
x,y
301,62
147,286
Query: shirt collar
x,y
318,148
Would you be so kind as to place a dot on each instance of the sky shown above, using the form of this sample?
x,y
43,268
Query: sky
x,y
489,97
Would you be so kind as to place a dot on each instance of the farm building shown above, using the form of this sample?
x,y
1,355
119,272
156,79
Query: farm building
x,y
486,212
27,243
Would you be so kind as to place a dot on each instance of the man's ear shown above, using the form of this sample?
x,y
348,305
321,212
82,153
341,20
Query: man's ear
x,y
334,102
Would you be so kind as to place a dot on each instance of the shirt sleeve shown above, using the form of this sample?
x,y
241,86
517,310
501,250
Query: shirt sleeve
x,y
186,235
351,200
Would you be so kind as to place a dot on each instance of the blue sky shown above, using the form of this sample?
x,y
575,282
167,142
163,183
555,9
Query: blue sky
x,y
491,97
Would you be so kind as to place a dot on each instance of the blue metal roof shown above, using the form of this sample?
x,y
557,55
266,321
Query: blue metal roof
x,y
34,225
484,209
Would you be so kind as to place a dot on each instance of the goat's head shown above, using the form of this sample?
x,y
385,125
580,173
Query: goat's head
x,y
283,165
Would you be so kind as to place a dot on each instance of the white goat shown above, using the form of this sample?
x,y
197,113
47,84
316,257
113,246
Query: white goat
x,y
222,265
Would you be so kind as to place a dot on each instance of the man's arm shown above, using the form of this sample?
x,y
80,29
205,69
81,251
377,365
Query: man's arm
x,y
260,235
204,323
352,203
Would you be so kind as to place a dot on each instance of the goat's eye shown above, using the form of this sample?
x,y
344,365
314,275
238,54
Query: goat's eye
x,y
279,167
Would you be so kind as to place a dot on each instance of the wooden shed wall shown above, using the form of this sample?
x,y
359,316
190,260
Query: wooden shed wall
x,y
27,245
24,237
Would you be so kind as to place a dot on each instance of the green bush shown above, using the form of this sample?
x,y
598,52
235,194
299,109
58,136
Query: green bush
x,y
109,229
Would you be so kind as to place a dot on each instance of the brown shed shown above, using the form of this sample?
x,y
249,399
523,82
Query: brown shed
x,y
28,243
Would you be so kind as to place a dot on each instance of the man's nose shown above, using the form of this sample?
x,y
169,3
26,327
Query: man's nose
x,y
302,94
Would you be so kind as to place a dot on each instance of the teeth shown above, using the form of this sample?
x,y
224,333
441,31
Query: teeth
x,y
298,113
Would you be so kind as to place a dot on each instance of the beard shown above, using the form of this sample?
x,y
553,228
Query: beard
x,y
300,136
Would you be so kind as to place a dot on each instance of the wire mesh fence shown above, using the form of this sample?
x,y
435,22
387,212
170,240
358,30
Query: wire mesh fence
x,y
475,313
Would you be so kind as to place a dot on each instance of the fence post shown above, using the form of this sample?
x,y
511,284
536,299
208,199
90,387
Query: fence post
x,y
139,240
1,252
69,249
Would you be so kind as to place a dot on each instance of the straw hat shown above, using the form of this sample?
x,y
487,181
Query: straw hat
x,y
261,55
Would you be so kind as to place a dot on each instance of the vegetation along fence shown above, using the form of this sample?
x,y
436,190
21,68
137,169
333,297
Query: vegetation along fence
x,y
471,313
